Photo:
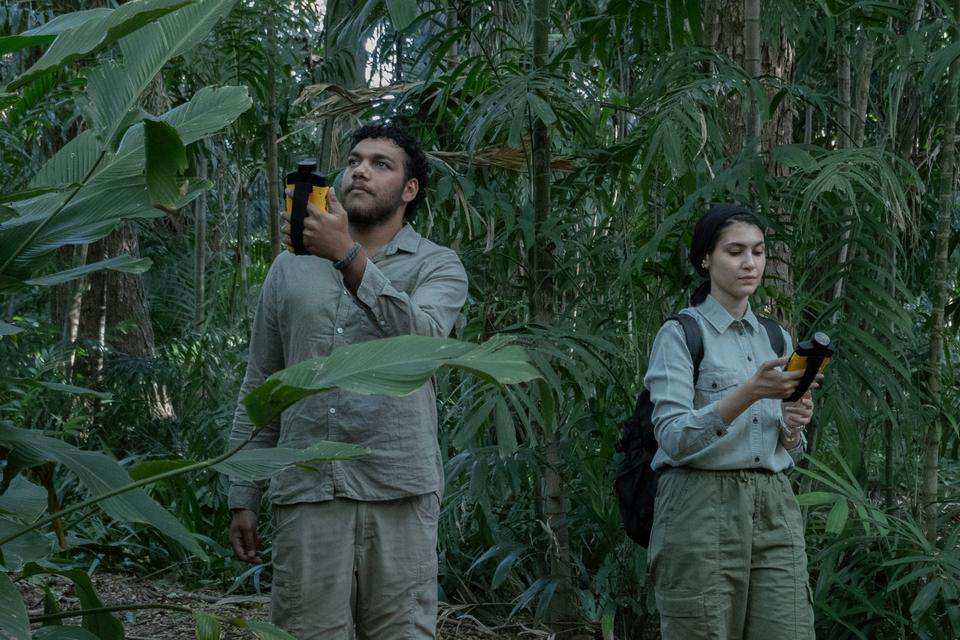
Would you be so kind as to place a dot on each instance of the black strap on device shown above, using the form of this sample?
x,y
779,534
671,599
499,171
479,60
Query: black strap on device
x,y
301,194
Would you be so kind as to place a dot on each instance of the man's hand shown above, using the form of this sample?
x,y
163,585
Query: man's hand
x,y
325,233
243,535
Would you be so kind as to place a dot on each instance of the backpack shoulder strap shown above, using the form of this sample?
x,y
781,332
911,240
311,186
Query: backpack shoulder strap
x,y
774,334
693,338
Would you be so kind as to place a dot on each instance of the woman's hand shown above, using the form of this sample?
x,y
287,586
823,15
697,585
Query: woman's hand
x,y
770,381
796,417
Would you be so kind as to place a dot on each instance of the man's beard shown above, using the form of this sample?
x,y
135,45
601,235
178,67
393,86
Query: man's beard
x,y
375,211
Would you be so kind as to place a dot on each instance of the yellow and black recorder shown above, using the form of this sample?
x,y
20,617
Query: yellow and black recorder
x,y
811,356
308,186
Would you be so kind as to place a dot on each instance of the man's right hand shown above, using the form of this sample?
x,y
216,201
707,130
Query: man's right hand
x,y
243,535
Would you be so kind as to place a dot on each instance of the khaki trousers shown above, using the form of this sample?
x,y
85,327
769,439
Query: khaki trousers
x,y
727,557
345,569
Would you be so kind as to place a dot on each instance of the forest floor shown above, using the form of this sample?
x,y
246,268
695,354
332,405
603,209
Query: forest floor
x,y
455,622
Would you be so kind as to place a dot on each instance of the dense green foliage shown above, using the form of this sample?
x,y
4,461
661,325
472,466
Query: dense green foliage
x,y
836,132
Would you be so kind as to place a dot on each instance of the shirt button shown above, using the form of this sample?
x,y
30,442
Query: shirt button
x,y
756,459
383,322
719,433
749,358
339,329
714,385
332,410
755,421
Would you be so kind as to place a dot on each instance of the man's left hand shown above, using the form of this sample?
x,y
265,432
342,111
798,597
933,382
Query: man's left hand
x,y
325,233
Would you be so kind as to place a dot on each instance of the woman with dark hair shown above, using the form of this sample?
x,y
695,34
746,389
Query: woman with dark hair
x,y
727,555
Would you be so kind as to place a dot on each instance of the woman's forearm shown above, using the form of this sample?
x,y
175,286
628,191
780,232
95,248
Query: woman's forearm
x,y
736,403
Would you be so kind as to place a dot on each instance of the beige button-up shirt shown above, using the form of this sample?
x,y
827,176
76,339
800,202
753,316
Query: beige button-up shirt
x,y
410,286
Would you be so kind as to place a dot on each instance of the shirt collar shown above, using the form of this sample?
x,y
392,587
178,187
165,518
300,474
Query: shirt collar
x,y
721,319
406,240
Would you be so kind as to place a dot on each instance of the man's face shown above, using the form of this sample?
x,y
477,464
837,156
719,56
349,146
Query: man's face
x,y
374,183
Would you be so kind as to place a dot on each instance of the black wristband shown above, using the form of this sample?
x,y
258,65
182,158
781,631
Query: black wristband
x,y
342,263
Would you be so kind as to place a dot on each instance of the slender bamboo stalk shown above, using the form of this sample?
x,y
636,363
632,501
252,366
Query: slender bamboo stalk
x,y
273,174
200,249
930,484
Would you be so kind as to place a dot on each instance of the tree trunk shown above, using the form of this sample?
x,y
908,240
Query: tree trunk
x,y
541,299
200,249
241,260
944,274
92,326
854,124
751,64
273,175
734,31
452,22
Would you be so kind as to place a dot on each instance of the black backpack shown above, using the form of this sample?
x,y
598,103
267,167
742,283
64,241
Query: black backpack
x,y
636,482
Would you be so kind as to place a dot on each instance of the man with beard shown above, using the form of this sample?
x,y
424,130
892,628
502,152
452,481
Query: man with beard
x,y
354,545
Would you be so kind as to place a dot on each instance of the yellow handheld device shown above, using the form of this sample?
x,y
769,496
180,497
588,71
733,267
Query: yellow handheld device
x,y
308,186
811,356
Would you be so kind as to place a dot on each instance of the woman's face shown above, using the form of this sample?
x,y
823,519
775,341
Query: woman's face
x,y
736,264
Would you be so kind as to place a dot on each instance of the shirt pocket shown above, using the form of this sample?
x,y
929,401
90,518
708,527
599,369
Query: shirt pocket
x,y
713,385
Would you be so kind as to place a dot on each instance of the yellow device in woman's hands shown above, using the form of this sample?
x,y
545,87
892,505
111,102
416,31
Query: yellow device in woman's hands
x,y
812,357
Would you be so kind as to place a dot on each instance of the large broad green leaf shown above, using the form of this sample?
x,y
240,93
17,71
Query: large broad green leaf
x,y
123,264
402,13
7,329
391,366
57,632
29,547
260,464
47,32
23,499
73,389
31,193
150,468
70,165
117,189
99,474
166,157
98,32
210,110
102,625
14,623
267,631
208,627
113,89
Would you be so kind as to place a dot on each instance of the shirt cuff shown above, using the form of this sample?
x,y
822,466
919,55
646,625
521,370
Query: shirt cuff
x,y
712,427
243,496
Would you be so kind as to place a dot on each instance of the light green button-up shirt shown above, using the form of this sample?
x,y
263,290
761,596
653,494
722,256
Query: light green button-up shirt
x,y
688,428
410,286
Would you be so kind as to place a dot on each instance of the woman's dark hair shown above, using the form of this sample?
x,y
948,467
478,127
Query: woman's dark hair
x,y
707,232
414,166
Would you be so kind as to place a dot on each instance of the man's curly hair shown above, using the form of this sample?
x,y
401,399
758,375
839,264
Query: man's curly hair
x,y
415,165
